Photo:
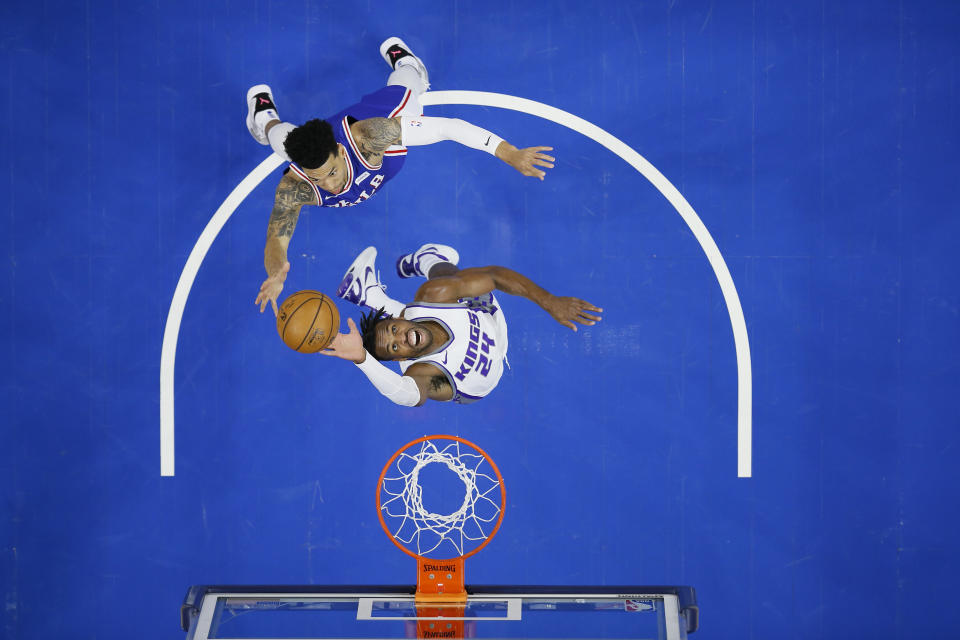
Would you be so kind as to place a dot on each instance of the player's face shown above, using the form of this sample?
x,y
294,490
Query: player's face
x,y
331,176
399,339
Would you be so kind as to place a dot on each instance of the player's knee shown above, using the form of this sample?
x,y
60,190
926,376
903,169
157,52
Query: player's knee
x,y
442,269
436,290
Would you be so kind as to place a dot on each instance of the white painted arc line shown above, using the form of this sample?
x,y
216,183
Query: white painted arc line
x,y
172,330
477,98
638,162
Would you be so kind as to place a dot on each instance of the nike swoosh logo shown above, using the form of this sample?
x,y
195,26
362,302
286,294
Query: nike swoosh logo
x,y
444,357
488,141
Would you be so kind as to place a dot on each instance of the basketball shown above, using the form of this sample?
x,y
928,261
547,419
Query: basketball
x,y
308,321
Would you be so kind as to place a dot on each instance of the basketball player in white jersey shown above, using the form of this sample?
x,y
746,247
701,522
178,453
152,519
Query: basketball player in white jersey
x,y
451,341
343,160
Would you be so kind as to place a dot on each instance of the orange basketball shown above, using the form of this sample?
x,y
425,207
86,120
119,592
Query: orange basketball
x,y
308,321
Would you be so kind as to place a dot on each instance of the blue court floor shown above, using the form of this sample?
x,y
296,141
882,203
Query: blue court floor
x,y
816,142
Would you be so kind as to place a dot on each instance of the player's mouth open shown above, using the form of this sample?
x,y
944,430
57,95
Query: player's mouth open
x,y
414,338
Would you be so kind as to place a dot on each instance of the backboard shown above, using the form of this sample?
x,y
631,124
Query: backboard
x,y
366,612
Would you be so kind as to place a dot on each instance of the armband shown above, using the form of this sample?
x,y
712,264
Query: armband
x,y
421,130
402,390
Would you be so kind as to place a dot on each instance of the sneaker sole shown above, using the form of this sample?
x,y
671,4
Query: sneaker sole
x,y
368,258
386,44
251,92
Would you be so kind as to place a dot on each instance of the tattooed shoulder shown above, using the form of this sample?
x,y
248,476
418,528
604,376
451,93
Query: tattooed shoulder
x,y
294,190
376,135
292,194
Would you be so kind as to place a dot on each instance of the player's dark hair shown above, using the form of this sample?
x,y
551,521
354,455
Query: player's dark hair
x,y
368,330
311,144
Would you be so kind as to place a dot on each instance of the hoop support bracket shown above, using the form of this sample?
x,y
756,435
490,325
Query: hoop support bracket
x,y
440,581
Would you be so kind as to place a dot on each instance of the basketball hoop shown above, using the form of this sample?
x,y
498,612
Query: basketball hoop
x,y
440,539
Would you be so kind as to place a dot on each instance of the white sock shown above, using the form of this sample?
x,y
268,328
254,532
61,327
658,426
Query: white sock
x,y
263,118
394,307
427,262
378,298
277,134
408,75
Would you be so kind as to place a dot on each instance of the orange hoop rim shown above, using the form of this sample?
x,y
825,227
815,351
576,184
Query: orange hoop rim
x,y
486,456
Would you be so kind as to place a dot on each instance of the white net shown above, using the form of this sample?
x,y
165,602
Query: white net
x,y
426,532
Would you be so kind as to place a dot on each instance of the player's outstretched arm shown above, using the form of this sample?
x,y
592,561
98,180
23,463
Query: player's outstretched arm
x,y
292,193
348,346
526,160
421,130
431,382
422,381
477,281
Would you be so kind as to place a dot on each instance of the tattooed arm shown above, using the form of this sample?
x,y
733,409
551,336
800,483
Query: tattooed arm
x,y
292,194
375,135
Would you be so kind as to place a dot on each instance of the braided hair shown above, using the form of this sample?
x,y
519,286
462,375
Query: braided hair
x,y
368,330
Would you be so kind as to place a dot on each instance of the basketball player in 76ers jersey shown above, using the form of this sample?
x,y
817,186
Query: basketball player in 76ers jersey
x,y
343,160
451,341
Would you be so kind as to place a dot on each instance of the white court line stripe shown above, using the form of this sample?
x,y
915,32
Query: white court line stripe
x,y
638,162
168,353
477,98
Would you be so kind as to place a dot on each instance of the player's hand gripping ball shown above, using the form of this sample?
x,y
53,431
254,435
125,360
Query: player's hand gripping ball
x,y
308,321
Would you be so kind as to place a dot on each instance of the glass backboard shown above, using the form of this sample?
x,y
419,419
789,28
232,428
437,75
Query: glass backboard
x,y
259,613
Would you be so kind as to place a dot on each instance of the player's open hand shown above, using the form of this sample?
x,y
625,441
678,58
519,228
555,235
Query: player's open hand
x,y
271,288
348,346
566,311
527,160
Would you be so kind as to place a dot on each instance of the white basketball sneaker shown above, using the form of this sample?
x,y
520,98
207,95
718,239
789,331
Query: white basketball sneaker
x,y
394,51
260,98
423,259
361,283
